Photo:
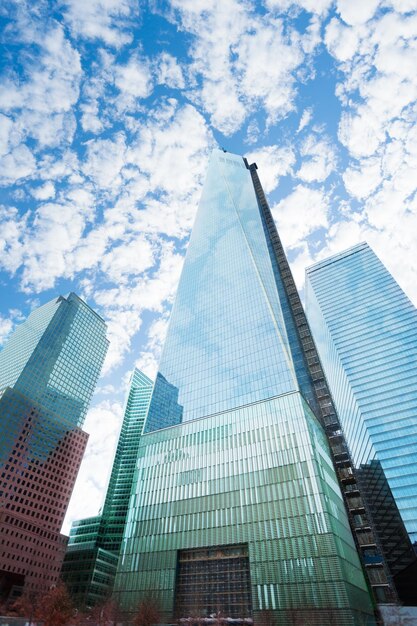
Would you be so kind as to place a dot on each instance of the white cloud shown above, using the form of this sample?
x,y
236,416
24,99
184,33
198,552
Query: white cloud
x,y
341,40
340,236
41,106
253,132
103,424
300,214
123,305
57,129
384,56
105,160
169,71
6,326
319,159
305,119
20,163
221,100
269,49
134,78
10,136
54,79
172,153
378,92
391,205
128,259
314,6
57,229
231,44
122,324
60,167
361,181
90,120
309,41
12,231
216,25
303,258
273,162
402,6
44,192
107,390
355,12
89,250
149,358
95,106
107,20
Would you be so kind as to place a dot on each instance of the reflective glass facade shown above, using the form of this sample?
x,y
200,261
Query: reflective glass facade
x,y
259,475
55,357
94,544
48,371
227,322
88,570
234,454
365,328
118,492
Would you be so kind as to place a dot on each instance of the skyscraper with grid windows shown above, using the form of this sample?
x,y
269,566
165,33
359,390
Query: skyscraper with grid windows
x,y
91,559
48,371
236,511
365,328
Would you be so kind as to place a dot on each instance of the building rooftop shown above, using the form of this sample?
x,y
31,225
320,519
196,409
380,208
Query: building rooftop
x,y
337,257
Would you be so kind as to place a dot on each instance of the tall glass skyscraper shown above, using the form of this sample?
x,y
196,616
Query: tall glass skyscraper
x,y
90,563
48,371
236,511
365,328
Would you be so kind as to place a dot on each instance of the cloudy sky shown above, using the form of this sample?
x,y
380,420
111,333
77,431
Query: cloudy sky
x,y
108,111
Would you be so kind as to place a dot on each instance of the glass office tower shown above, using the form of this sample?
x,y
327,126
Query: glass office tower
x,y
236,512
90,563
365,328
48,371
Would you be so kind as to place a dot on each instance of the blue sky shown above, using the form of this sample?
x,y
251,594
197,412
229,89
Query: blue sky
x,y
108,111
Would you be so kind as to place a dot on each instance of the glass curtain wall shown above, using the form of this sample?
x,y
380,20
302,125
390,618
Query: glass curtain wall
x,y
365,328
233,454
